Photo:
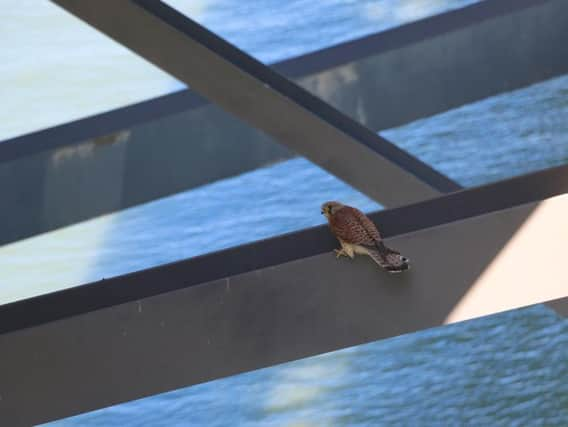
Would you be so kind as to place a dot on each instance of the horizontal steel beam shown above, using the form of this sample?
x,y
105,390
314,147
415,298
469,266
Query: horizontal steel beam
x,y
278,250
351,76
442,62
560,306
65,185
261,97
276,313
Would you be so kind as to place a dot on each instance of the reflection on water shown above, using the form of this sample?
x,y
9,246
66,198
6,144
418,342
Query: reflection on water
x,y
56,69
297,386
273,30
51,261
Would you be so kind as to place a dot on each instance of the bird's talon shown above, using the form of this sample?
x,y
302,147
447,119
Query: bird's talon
x,y
339,253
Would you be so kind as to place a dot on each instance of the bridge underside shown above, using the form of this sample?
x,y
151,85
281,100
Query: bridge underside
x,y
474,252
465,55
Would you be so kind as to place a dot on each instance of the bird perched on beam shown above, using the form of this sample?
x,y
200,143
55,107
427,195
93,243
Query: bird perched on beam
x,y
358,235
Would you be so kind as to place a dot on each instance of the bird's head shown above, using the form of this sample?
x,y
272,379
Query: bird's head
x,y
330,208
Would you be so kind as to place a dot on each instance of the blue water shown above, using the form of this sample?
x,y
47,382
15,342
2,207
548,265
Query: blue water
x,y
508,369
273,30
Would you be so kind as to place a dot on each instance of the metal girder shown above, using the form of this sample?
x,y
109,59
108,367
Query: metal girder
x,y
320,72
280,299
560,306
279,250
260,96
442,62
358,77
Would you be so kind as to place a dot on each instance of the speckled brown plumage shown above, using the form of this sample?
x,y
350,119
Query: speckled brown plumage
x,y
352,226
358,235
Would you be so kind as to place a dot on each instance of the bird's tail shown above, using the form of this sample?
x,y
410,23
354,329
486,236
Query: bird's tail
x,y
389,259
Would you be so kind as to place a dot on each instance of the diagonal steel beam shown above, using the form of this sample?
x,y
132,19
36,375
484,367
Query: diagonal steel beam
x,y
363,78
560,306
260,96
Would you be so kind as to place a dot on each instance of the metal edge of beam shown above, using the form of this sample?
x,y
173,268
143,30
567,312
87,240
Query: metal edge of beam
x,y
297,67
560,306
78,131
265,317
277,250
260,96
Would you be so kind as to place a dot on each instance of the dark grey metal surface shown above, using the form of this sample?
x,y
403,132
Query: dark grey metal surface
x,y
256,94
560,306
61,186
191,133
250,320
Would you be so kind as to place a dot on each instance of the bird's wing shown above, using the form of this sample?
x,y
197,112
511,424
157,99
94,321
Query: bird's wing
x,y
367,224
352,226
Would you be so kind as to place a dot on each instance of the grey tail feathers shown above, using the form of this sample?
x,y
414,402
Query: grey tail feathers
x,y
389,259
382,249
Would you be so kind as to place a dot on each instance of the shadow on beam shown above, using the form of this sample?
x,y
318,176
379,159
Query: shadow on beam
x,y
273,301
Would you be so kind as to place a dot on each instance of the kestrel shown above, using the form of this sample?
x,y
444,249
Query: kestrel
x,y
358,235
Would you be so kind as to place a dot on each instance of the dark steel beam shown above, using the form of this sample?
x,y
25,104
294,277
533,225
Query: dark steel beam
x,y
54,188
278,250
442,62
260,96
560,306
351,76
267,312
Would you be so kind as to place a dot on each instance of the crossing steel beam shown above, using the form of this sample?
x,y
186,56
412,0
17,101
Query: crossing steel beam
x,y
261,97
465,56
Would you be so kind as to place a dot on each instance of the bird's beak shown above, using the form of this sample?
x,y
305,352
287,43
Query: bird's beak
x,y
322,212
